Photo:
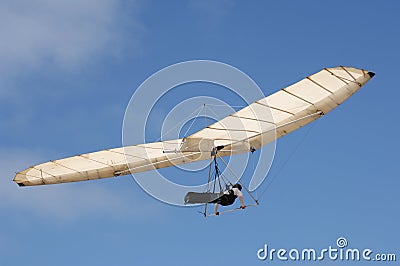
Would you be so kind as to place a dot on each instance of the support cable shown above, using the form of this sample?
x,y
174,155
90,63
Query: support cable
x,y
282,166
238,180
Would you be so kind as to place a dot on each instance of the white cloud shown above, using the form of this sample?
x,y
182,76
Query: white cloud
x,y
43,36
67,34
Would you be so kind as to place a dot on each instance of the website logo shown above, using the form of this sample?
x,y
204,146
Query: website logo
x,y
339,252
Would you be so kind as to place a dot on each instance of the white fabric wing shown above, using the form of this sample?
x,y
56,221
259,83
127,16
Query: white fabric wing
x,y
252,127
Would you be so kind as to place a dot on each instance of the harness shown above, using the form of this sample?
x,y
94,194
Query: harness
x,y
228,198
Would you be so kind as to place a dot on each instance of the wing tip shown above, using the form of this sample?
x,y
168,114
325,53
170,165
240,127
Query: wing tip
x,y
20,179
371,74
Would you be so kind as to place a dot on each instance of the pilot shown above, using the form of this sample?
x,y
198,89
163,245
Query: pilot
x,y
229,197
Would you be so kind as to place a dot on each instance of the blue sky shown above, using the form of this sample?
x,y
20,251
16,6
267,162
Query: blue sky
x,y
69,68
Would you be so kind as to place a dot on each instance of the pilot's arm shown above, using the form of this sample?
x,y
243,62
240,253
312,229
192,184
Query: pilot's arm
x,y
216,209
242,206
241,198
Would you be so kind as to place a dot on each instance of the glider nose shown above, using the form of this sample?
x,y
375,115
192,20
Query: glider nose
x,y
371,74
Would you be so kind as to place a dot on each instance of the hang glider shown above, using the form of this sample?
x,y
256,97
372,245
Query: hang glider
x,y
248,129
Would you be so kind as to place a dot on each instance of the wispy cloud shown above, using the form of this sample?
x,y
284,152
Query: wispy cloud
x,y
58,41
65,34
212,12
56,36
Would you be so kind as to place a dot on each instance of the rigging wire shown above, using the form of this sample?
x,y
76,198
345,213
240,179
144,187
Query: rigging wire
x,y
208,187
205,115
211,110
194,119
223,105
282,166
238,179
197,110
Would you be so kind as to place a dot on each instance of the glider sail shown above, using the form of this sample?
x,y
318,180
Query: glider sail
x,y
250,128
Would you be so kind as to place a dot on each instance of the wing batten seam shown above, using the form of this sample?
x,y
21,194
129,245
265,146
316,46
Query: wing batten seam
x,y
319,85
232,129
126,154
66,167
298,97
348,72
254,119
108,165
